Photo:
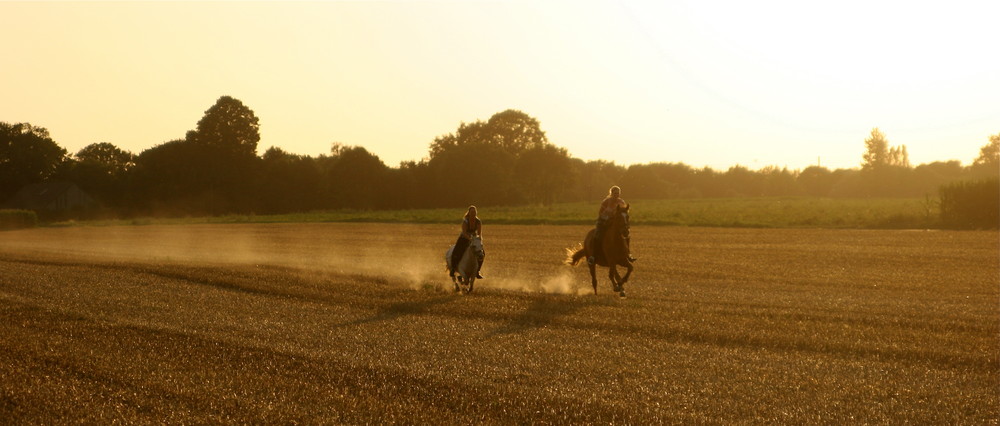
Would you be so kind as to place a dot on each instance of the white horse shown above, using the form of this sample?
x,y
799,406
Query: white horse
x,y
465,273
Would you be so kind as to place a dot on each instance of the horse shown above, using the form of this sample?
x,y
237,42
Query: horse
x,y
466,269
614,251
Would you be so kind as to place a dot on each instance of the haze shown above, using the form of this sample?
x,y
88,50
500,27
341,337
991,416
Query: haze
x,y
707,83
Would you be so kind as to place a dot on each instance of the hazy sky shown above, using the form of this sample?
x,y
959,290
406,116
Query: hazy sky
x,y
706,83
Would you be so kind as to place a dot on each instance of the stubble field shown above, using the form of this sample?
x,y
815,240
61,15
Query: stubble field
x,y
355,323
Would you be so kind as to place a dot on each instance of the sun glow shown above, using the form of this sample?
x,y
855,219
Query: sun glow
x,y
714,83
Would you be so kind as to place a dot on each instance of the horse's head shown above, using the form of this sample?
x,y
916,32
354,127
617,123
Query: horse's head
x,y
476,245
621,219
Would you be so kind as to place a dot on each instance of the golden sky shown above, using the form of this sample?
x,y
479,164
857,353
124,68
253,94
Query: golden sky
x,y
706,83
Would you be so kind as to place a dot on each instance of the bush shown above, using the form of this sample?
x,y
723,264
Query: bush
x,y
971,204
16,219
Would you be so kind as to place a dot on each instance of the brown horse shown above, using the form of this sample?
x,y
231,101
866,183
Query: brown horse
x,y
614,251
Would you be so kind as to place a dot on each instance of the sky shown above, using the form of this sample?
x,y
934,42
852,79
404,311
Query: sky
x,y
706,82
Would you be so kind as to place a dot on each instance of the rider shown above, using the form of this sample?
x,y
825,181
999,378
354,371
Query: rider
x,y
608,207
471,225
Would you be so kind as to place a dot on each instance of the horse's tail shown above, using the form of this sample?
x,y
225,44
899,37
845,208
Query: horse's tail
x,y
573,256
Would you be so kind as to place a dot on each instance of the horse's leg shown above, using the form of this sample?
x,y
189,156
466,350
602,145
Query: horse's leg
x,y
628,272
613,276
593,276
472,280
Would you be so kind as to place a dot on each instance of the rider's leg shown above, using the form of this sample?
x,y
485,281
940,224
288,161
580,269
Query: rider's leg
x,y
598,235
479,275
628,243
456,255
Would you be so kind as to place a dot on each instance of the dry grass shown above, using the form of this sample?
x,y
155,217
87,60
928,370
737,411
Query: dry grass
x,y
352,323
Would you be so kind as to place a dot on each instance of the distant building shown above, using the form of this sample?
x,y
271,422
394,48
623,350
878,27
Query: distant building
x,y
48,198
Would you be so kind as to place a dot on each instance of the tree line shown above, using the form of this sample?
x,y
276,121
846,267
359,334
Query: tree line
x,y
505,160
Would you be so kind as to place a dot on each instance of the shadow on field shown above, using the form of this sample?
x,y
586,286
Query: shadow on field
x,y
542,312
397,310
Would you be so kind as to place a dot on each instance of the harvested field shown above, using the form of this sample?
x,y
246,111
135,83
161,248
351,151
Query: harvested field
x,y
355,323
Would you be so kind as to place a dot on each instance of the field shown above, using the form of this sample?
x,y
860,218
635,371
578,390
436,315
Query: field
x,y
756,212
353,323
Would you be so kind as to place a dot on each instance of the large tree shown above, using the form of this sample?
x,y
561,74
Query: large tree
x,y
878,154
512,131
876,151
27,155
229,127
989,154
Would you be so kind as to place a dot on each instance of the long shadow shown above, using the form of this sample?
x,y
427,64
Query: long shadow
x,y
398,310
543,311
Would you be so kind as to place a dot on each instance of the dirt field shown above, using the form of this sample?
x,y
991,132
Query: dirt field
x,y
354,323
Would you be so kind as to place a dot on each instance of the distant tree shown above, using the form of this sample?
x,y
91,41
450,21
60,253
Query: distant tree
x,y
886,170
102,169
516,132
593,178
512,131
876,151
27,155
111,158
779,182
987,164
228,127
643,181
480,174
898,157
356,178
740,181
816,181
170,179
414,186
288,183
543,173
227,137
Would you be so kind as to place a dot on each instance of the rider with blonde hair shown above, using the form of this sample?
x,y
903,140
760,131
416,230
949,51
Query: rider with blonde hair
x,y
471,225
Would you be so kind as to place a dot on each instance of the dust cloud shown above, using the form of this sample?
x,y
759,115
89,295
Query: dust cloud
x,y
410,255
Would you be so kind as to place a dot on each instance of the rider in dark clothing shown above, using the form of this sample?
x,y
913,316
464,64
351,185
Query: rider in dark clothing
x,y
471,225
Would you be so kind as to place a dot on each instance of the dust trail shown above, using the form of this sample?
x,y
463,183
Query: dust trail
x,y
408,255
562,282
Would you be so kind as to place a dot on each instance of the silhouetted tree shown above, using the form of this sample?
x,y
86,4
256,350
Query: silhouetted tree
x,y
170,179
480,174
816,181
593,178
876,151
642,181
416,186
356,178
102,170
740,181
987,164
229,128
778,182
542,174
512,131
228,135
885,171
288,183
27,155
516,132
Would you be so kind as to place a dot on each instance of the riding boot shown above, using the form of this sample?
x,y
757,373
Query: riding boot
x,y
478,275
628,243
